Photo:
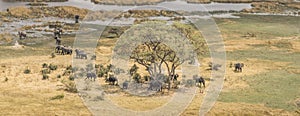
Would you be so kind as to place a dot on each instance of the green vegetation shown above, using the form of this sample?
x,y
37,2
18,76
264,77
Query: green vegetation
x,y
6,79
53,55
45,65
71,78
276,89
57,97
195,37
45,71
264,27
70,86
45,76
27,71
52,67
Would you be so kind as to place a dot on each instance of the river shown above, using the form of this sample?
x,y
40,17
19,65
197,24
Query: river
x,y
179,5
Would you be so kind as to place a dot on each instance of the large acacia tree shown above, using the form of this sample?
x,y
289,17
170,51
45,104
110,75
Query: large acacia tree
x,y
156,46
153,55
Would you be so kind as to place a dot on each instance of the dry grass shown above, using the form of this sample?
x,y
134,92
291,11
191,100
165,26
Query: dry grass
x,y
28,94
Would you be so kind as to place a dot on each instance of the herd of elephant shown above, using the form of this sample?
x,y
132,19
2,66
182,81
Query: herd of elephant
x,y
63,50
154,85
157,85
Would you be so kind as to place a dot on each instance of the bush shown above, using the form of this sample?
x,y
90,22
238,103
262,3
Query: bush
x,y
71,78
89,67
81,74
117,71
45,65
109,67
70,86
100,73
67,72
6,79
93,57
74,69
81,69
98,66
27,71
58,76
45,71
57,97
52,67
69,67
45,77
52,55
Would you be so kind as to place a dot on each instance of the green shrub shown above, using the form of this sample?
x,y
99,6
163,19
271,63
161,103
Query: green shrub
x,y
45,71
58,76
117,71
69,67
45,77
93,57
81,69
74,69
109,67
6,79
27,71
52,55
57,97
89,67
100,73
67,72
71,78
45,65
98,66
81,74
70,86
52,67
